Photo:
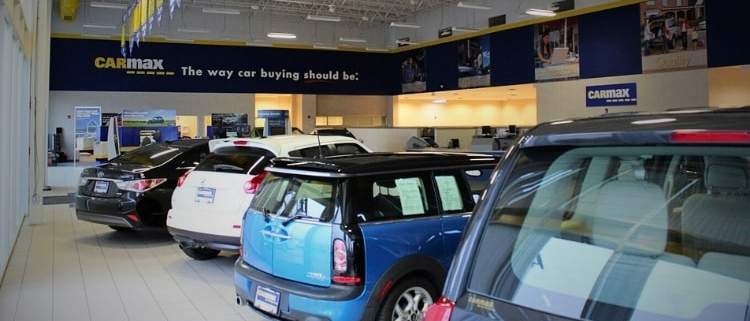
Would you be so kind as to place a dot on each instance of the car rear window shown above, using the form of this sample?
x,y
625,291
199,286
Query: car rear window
x,y
290,196
236,159
621,233
328,150
150,155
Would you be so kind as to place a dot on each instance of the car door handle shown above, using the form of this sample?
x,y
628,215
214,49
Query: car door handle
x,y
272,234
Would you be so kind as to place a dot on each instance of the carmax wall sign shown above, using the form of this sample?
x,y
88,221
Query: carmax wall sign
x,y
612,95
95,65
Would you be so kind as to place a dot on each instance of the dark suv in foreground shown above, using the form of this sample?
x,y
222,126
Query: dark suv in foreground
x,y
135,189
357,237
627,218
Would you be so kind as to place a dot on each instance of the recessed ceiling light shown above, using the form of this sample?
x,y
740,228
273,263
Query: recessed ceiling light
x,y
540,12
281,35
405,25
439,101
465,5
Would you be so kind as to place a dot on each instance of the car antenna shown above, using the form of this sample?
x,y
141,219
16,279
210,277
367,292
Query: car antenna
x,y
320,148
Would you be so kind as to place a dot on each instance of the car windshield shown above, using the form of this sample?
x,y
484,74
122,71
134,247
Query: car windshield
x,y
149,155
290,196
236,159
621,234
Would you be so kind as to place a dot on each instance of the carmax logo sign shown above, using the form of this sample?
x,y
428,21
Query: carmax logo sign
x,y
133,66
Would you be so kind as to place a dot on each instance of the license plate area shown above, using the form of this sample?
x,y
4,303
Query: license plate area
x,y
101,187
267,300
205,195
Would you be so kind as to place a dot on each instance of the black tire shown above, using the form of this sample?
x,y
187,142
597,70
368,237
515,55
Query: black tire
x,y
121,228
388,306
200,253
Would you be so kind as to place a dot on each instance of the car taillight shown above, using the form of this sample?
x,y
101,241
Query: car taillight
x,y
440,311
183,178
140,185
343,270
710,137
253,185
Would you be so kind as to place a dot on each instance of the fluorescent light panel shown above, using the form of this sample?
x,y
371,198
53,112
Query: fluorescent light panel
x,y
108,5
405,25
323,18
459,29
353,40
465,5
99,26
281,35
221,11
540,12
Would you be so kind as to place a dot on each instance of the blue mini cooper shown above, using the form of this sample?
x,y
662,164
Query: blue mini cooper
x,y
356,237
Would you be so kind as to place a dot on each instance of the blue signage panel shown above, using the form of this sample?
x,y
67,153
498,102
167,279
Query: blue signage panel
x,y
97,65
612,95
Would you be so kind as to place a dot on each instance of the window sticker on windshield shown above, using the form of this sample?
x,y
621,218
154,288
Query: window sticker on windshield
x,y
410,196
450,195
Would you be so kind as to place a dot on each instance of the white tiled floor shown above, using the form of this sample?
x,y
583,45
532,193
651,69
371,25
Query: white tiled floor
x,y
69,270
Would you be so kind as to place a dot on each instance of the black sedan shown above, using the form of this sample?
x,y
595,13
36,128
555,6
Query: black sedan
x,y
135,190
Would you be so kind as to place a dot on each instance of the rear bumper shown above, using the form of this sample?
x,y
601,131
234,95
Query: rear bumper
x,y
195,239
106,219
299,301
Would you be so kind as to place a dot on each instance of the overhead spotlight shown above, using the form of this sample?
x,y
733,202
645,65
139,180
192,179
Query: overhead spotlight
x,y
405,25
465,5
107,5
352,40
540,12
221,11
323,18
281,35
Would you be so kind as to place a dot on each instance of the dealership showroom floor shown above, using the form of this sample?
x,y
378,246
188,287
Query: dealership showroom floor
x,y
65,269
374,160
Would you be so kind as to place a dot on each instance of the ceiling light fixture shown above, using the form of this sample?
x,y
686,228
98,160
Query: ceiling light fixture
x,y
353,40
107,5
99,26
465,5
540,12
439,101
221,11
281,35
405,25
323,18
255,7
459,29
295,1
192,30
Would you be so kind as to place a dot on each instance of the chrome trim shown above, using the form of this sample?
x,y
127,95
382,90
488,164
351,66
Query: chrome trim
x,y
402,220
465,214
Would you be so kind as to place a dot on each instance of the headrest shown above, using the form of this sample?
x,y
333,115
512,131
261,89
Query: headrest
x,y
727,175
631,170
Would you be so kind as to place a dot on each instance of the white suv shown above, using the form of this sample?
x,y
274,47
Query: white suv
x,y
210,200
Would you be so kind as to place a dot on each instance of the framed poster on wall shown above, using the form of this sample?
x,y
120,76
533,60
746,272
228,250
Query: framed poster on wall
x,y
673,35
88,120
556,50
413,73
474,63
